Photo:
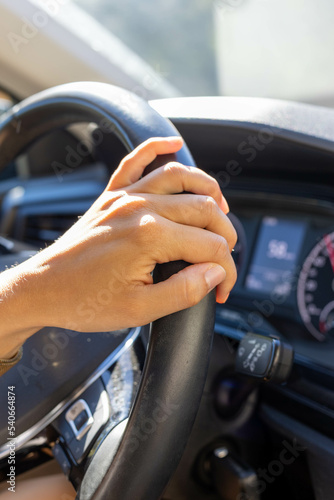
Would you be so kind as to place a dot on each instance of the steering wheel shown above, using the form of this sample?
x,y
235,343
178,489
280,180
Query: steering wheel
x,y
179,346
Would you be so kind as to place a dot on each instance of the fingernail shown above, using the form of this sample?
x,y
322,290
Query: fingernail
x,y
225,299
214,276
225,206
174,140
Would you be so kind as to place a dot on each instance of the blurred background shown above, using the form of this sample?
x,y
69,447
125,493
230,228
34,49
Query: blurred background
x,y
266,48
157,48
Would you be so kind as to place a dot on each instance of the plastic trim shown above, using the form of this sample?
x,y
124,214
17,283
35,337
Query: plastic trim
x,y
48,419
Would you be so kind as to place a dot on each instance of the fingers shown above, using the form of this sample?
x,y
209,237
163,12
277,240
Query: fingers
x,y
176,178
183,290
177,227
133,165
191,227
172,178
194,210
200,245
168,241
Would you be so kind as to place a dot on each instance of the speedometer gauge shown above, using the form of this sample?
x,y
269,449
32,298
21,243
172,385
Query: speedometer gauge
x,y
316,289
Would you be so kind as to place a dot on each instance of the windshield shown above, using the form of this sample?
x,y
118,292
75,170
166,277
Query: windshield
x,y
262,48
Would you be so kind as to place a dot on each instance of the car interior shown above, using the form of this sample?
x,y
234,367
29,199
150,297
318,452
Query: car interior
x,y
229,401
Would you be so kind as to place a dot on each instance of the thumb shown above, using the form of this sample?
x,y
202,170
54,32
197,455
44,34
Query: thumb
x,y
182,290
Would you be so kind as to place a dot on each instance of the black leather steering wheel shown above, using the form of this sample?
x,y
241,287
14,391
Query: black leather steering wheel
x,y
124,468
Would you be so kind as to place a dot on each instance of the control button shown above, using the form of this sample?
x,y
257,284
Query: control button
x,y
80,447
81,422
79,418
264,357
254,355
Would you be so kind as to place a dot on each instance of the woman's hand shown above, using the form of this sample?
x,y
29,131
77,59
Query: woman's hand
x,y
97,276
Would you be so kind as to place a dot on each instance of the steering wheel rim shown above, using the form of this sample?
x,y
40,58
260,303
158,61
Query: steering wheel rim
x,y
125,465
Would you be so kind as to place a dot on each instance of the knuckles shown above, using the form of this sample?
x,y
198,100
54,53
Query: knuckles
x,y
132,212
191,292
220,247
215,186
121,204
175,170
208,205
145,229
233,237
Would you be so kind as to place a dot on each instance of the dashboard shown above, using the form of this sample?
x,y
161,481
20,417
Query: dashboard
x,y
285,225
285,262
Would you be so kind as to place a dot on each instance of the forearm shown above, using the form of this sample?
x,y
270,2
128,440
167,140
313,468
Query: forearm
x,y
18,318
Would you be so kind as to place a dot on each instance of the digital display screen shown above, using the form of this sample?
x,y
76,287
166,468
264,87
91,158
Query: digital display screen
x,y
278,246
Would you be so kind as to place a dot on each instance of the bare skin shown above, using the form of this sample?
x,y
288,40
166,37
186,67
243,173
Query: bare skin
x,y
97,276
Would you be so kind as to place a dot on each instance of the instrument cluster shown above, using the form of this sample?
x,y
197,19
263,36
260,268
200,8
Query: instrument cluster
x,y
285,263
